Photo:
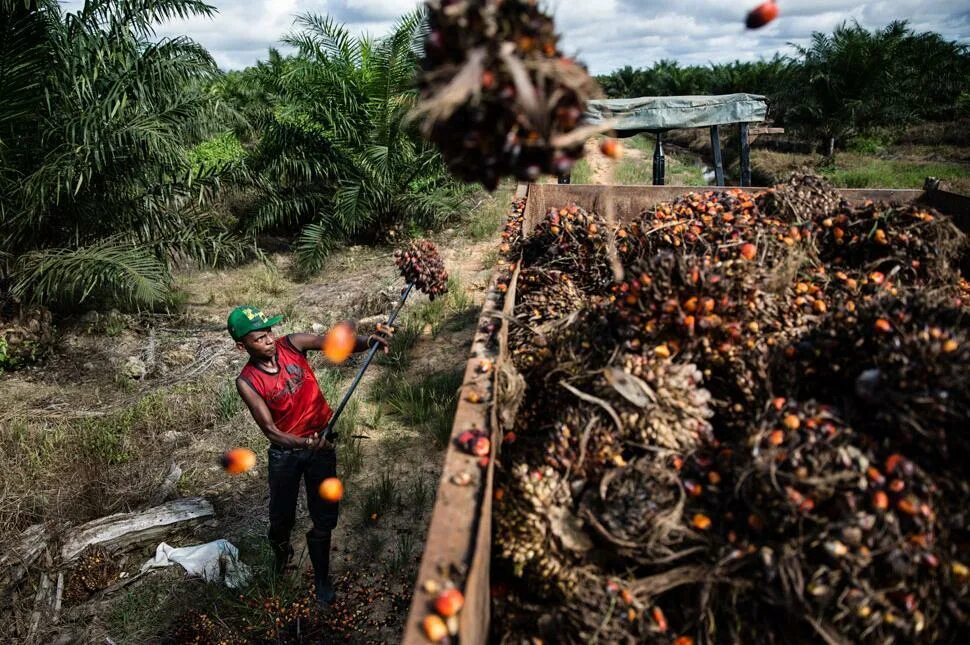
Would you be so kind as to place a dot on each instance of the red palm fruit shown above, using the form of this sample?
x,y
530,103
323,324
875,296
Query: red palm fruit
x,y
893,461
238,460
762,15
749,251
481,447
660,619
449,602
339,342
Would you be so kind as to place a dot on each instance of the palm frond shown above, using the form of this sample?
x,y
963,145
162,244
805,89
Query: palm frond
x,y
111,269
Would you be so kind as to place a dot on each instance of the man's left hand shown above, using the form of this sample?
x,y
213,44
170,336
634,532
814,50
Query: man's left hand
x,y
382,336
320,443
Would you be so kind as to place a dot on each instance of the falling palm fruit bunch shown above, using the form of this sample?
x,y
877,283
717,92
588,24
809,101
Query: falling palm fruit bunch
x,y
421,265
498,97
757,433
95,570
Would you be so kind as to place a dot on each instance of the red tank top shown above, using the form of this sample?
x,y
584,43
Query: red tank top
x,y
292,394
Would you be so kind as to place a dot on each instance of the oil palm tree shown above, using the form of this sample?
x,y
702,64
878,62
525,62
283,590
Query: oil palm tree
x,y
339,158
99,197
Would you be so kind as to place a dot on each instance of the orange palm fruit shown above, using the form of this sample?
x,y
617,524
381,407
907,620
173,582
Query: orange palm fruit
x,y
761,15
434,628
238,460
339,342
749,251
331,489
449,602
701,522
880,500
612,149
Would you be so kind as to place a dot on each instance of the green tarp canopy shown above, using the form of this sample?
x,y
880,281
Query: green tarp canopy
x,y
659,113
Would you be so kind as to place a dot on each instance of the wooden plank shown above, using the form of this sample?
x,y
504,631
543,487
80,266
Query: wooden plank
x,y
457,518
125,529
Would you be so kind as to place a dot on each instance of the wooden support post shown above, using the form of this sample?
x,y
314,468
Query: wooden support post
x,y
718,161
745,156
659,163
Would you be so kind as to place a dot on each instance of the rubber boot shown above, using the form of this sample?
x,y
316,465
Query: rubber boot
x,y
282,552
318,546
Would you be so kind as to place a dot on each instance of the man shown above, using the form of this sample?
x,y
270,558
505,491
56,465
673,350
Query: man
x,y
281,392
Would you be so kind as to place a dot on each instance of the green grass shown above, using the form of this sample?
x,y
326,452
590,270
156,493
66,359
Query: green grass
x,y
455,311
379,499
854,171
420,403
421,494
402,559
229,403
639,172
404,339
857,170
581,173
485,221
632,172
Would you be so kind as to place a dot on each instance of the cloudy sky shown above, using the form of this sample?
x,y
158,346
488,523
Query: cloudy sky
x,y
605,34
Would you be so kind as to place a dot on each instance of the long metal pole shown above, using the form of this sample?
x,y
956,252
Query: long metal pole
x,y
360,373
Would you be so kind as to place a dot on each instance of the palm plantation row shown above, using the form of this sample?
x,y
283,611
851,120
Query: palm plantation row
x,y
124,155
120,153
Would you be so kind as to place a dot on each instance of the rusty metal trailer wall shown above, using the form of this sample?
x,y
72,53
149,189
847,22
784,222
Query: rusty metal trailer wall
x,y
458,545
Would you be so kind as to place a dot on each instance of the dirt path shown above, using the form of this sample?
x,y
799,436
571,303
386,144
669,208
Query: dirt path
x,y
181,409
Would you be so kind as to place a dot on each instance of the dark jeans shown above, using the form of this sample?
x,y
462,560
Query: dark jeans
x,y
286,469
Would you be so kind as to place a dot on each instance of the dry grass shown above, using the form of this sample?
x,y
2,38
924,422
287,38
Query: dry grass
x,y
77,469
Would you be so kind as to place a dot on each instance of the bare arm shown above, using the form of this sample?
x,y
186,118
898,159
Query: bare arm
x,y
259,410
306,342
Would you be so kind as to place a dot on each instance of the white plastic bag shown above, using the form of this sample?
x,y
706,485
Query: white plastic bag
x,y
216,561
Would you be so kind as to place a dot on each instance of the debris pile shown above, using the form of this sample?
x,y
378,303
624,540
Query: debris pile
x,y
759,432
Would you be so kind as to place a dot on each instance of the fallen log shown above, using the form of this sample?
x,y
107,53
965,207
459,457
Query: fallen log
x,y
124,529
15,562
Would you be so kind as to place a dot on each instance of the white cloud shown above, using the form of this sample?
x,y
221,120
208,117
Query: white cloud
x,y
605,34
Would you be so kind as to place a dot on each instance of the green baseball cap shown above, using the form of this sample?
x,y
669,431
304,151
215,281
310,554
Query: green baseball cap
x,y
245,319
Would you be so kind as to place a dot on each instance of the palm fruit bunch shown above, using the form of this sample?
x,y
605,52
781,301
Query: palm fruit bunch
x,y
25,335
900,366
704,311
822,501
421,265
576,241
803,198
912,243
95,570
535,530
634,508
497,96
512,234
722,225
197,628
543,298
